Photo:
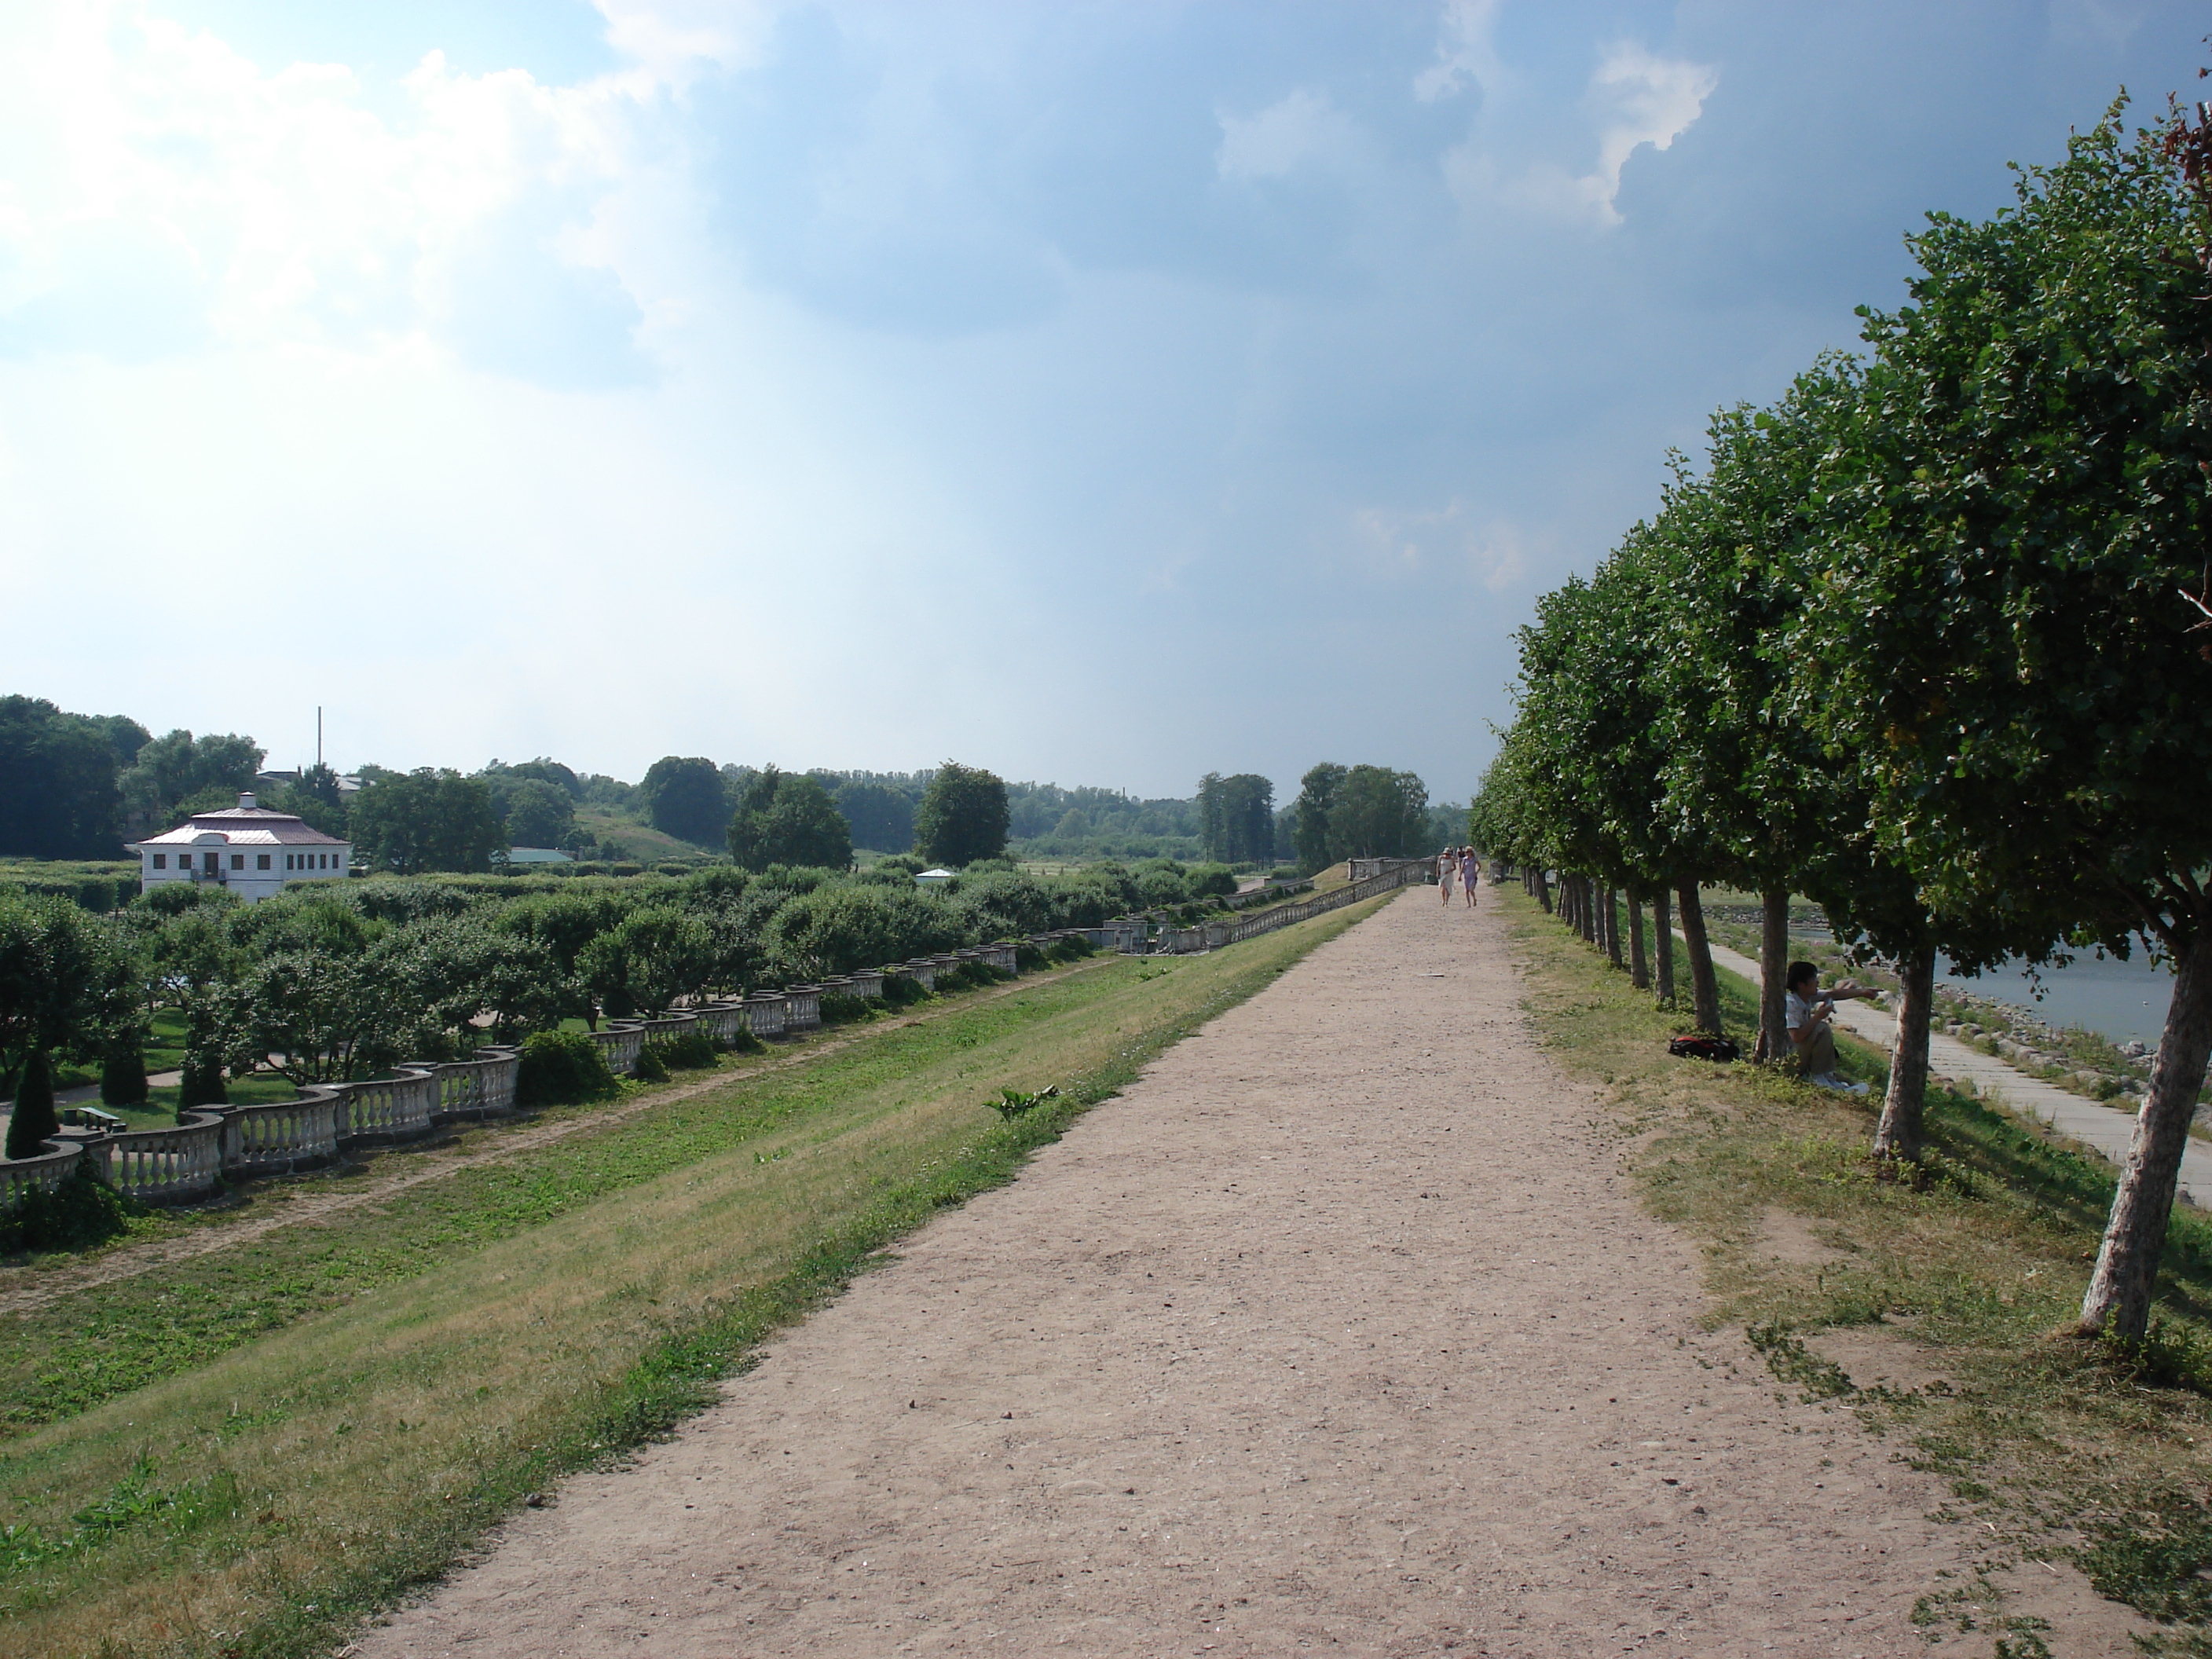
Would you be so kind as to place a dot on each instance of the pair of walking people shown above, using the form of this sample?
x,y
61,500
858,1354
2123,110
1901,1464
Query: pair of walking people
x,y
1460,863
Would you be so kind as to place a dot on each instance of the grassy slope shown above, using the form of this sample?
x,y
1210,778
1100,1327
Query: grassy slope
x,y
640,840
2063,1451
247,1453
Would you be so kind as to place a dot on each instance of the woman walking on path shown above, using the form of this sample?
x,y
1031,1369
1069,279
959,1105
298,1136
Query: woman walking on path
x,y
1469,867
1447,862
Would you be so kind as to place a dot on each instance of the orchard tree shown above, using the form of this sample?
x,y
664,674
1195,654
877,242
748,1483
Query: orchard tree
x,y
963,817
787,818
685,797
1317,793
427,819
2016,638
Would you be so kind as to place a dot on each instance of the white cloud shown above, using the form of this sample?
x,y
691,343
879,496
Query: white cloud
x,y
1464,53
1635,97
674,40
1301,128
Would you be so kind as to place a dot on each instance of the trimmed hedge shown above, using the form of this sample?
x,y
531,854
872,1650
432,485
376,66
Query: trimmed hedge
x,y
562,1068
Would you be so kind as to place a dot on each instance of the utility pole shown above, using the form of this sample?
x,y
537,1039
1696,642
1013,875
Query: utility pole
x,y
318,737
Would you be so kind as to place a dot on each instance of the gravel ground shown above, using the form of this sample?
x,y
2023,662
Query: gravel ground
x,y
1340,1331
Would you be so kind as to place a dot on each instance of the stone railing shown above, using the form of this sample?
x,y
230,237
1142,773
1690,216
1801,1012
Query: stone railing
x,y
483,1087
768,1013
618,1042
282,1137
922,970
722,1021
670,1026
803,1009
163,1166
1212,935
868,982
41,1173
402,1106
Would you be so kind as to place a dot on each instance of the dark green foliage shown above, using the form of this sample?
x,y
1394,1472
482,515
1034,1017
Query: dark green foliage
x,y
76,1215
1317,793
168,769
123,1077
427,819
174,897
538,814
649,1068
68,982
743,1042
978,974
201,1084
562,1068
900,992
686,797
1028,957
1071,948
787,818
902,863
58,793
1236,816
686,1050
2165,1572
32,1121
963,817
842,1008
882,817
835,930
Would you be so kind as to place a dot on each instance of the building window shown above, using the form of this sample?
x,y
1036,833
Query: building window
x,y
161,860
210,862
237,860
261,861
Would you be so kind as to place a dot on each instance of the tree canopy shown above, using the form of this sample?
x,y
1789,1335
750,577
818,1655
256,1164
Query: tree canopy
x,y
963,817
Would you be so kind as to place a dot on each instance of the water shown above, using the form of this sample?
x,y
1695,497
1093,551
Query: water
x,y
2121,1000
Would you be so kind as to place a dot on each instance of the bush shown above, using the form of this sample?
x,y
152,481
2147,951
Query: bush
x,y
744,1042
625,868
977,973
648,1068
900,992
835,930
1072,949
687,1050
562,1068
123,1078
76,1215
841,1007
904,864
202,1084
33,1121
1028,958
1210,881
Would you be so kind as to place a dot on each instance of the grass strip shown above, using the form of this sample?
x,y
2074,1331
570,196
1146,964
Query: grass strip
x,y
276,1494
1955,1280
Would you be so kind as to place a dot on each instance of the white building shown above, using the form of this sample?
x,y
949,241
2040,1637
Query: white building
x,y
255,852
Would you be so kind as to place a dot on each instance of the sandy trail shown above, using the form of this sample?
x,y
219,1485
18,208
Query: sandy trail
x,y
1339,1331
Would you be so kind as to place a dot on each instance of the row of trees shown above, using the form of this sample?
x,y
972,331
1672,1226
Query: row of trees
x,y
339,982
1929,640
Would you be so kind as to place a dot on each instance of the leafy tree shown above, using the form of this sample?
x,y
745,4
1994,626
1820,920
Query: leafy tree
x,y
1317,793
835,930
58,797
68,982
427,819
1378,813
317,798
964,816
786,818
538,814
1237,816
684,797
2017,636
168,768
882,818
652,957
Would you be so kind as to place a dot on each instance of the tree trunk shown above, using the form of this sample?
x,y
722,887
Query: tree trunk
x,y
1543,890
2127,1266
1704,989
1662,941
1773,968
1611,901
1587,890
1639,965
1898,1135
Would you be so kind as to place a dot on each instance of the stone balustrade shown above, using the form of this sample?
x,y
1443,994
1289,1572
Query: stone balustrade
x,y
767,1013
803,1011
868,983
402,1106
1001,955
722,1021
922,971
21,1176
281,1138
478,1088
618,1043
169,1165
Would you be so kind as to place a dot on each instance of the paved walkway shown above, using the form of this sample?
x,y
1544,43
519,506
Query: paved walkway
x,y
2105,1128
1340,1331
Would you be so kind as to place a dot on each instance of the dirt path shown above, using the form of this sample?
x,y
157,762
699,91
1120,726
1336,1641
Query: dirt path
x,y
1339,1331
299,1202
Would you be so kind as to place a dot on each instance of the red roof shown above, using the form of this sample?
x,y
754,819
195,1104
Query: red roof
x,y
246,826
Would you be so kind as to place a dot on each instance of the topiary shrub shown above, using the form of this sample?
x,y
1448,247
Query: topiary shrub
x,y
649,1068
76,1215
32,1122
562,1068
687,1050
841,1007
123,1078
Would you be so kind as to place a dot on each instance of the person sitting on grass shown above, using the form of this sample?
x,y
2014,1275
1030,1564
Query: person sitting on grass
x,y
1810,1009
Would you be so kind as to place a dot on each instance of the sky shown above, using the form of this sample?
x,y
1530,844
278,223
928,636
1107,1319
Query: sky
x,y
1103,393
